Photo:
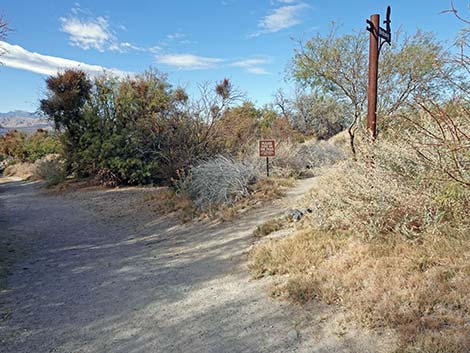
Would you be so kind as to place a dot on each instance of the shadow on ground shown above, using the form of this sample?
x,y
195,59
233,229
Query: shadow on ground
x,y
91,285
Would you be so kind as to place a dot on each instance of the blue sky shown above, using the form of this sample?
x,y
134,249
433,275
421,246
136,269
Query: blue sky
x,y
249,41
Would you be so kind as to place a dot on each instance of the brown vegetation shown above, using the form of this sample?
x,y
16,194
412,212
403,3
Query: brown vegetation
x,y
388,238
183,206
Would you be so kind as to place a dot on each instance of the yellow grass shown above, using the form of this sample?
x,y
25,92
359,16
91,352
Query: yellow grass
x,y
23,171
389,239
421,289
180,204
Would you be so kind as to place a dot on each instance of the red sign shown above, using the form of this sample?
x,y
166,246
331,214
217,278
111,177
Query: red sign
x,y
267,148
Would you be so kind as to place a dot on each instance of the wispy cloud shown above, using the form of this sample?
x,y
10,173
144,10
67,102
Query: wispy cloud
x,y
189,61
17,57
177,38
253,65
176,35
281,18
89,32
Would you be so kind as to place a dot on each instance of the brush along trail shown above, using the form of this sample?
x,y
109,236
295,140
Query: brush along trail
x,y
103,275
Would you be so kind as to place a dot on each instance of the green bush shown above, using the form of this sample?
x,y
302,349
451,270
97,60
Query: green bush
x,y
19,146
136,130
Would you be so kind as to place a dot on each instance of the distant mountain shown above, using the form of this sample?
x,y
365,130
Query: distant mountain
x,y
22,121
19,113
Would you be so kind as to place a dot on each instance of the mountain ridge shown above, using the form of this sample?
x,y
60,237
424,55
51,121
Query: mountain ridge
x,y
20,113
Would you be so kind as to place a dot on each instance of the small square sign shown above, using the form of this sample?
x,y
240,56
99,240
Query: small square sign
x,y
267,148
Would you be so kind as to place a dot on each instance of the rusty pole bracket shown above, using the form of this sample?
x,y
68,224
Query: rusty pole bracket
x,y
378,37
386,35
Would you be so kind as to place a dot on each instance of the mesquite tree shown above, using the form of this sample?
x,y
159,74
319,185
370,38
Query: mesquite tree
x,y
337,66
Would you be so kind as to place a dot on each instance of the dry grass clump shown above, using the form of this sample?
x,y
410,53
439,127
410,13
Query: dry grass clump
x,y
389,192
24,170
270,226
300,160
263,190
51,170
168,201
218,181
223,204
267,189
421,290
389,238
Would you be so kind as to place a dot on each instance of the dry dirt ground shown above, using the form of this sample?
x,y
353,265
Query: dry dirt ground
x,y
104,274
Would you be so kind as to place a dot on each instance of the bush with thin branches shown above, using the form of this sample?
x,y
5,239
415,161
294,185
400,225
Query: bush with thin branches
x,y
221,180
305,159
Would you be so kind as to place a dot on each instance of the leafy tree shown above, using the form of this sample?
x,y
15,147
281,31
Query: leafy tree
x,y
68,92
337,66
239,128
132,130
313,114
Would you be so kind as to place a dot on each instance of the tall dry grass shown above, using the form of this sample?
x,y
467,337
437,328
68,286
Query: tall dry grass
x,y
420,290
305,159
389,239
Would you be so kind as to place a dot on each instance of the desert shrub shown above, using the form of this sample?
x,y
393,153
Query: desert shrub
x,y
242,126
239,128
21,147
304,159
440,135
23,170
51,170
134,130
388,238
319,116
40,144
221,180
391,190
12,144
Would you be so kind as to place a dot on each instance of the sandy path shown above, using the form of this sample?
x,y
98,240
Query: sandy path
x,y
92,284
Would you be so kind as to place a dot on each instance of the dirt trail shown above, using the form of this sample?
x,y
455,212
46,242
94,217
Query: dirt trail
x,y
92,283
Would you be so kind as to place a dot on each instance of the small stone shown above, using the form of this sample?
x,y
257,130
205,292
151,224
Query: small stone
x,y
296,215
292,335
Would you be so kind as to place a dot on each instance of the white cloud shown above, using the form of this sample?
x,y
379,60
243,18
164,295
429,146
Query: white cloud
x,y
281,18
17,57
189,61
176,35
89,34
177,38
253,65
194,62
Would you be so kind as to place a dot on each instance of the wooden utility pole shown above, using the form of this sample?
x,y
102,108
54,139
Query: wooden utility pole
x,y
378,36
373,75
